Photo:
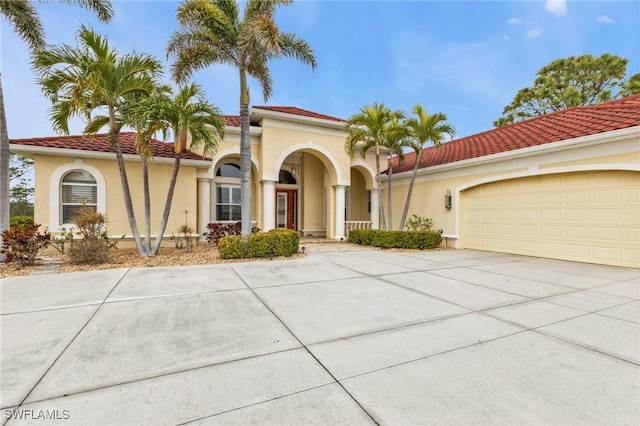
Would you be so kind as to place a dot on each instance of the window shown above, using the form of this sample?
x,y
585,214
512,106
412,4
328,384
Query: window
x,y
368,201
79,188
229,170
228,202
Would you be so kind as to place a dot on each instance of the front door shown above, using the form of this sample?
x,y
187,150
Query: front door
x,y
286,208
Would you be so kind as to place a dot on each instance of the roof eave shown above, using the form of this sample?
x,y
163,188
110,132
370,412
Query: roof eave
x,y
99,155
265,113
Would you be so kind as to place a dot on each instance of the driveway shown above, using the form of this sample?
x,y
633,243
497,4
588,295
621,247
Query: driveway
x,y
352,337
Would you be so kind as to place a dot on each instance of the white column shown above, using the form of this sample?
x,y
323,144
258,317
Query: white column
x,y
204,205
375,210
340,204
268,205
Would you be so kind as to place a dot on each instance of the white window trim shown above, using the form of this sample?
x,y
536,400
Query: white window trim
x,y
231,186
55,191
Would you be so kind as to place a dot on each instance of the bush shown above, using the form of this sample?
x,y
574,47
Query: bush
x,y
23,243
94,246
215,231
20,221
396,239
277,242
419,223
184,238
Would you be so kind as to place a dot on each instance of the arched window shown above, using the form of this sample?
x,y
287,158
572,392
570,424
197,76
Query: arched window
x,y
79,188
229,170
286,177
228,192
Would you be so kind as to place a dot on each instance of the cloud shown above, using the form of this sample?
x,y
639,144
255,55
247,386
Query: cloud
x,y
604,19
478,69
514,21
557,7
534,32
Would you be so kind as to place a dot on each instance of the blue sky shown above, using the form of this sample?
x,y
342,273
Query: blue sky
x,y
465,59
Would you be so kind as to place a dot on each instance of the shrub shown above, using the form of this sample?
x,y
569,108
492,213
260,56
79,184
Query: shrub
x,y
20,221
215,230
419,223
23,243
396,239
184,234
277,242
95,244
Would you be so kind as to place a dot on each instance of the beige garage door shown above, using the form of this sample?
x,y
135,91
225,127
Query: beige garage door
x,y
588,217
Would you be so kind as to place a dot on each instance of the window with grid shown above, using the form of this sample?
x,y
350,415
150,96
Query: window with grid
x,y
79,188
228,202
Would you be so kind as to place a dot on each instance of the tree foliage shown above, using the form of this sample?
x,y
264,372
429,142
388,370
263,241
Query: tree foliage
x,y
570,82
424,128
370,129
212,32
93,78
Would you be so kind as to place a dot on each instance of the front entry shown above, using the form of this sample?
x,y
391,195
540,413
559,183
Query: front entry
x,y
286,208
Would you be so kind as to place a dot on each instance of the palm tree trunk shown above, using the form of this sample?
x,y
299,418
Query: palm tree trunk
x,y
379,183
245,156
4,169
167,204
147,204
405,212
115,138
390,163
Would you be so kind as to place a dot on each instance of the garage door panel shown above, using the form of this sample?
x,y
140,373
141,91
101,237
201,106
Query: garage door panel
x,y
576,198
576,232
549,231
590,216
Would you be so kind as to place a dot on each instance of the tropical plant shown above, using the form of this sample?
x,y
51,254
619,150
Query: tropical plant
x,y
369,129
213,33
25,21
93,78
395,140
423,129
188,113
570,82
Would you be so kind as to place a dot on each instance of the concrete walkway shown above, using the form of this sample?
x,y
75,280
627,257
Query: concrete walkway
x,y
352,337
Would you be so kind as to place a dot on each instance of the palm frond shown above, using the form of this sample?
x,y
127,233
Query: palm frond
x,y
26,22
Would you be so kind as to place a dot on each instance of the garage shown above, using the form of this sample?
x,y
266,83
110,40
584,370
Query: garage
x,y
582,216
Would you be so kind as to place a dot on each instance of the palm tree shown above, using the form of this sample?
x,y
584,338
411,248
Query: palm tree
x,y
186,114
422,129
395,140
25,21
93,78
369,129
212,33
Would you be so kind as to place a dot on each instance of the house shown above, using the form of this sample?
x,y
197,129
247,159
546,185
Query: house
x,y
564,185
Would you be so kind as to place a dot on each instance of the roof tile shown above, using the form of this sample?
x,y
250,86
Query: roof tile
x,y
100,143
554,127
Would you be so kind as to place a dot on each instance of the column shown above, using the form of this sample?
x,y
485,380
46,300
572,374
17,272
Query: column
x,y
340,204
204,205
268,205
375,210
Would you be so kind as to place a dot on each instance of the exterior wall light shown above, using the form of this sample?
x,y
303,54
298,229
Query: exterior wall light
x,y
447,199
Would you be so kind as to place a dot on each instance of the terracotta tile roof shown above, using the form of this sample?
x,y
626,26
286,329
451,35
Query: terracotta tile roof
x,y
100,143
558,126
232,120
299,111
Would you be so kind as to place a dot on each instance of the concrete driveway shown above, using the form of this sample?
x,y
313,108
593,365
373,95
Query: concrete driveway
x,y
355,337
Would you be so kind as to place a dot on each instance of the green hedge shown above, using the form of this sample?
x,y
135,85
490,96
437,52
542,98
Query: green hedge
x,y
277,242
396,239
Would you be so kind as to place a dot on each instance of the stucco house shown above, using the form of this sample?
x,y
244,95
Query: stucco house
x,y
564,185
